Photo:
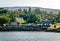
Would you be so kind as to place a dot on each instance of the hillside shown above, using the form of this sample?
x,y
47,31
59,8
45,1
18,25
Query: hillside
x,y
53,11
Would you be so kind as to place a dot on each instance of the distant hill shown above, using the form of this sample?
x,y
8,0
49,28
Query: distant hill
x,y
54,11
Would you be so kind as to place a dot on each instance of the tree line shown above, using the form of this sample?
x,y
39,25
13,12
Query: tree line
x,y
30,16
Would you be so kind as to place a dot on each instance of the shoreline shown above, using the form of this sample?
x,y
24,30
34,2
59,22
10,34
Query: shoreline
x,y
31,31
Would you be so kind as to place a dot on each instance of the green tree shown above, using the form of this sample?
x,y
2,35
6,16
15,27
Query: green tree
x,y
3,11
57,18
32,18
30,10
25,11
3,20
37,11
12,17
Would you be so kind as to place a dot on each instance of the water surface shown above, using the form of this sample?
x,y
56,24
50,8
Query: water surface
x,y
29,36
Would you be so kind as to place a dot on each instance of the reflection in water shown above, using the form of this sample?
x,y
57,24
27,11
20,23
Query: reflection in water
x,y
29,36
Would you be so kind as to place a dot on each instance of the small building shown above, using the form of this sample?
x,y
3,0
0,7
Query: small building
x,y
13,24
46,23
20,20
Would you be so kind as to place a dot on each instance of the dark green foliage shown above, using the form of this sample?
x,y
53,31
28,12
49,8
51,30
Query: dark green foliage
x,y
37,11
3,20
29,11
57,18
31,18
25,11
12,17
2,10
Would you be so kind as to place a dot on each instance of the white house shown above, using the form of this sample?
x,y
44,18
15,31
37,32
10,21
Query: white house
x,y
20,20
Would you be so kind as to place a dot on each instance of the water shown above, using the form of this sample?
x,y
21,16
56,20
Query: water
x,y
29,36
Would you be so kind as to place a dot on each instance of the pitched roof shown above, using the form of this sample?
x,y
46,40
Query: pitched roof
x,y
46,22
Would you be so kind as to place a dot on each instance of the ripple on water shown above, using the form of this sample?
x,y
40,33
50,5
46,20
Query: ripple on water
x,y
29,36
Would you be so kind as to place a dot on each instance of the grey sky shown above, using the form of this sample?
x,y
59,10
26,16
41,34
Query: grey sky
x,y
38,3
18,2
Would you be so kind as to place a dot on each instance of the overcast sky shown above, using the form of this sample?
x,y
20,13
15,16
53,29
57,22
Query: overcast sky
x,y
55,4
